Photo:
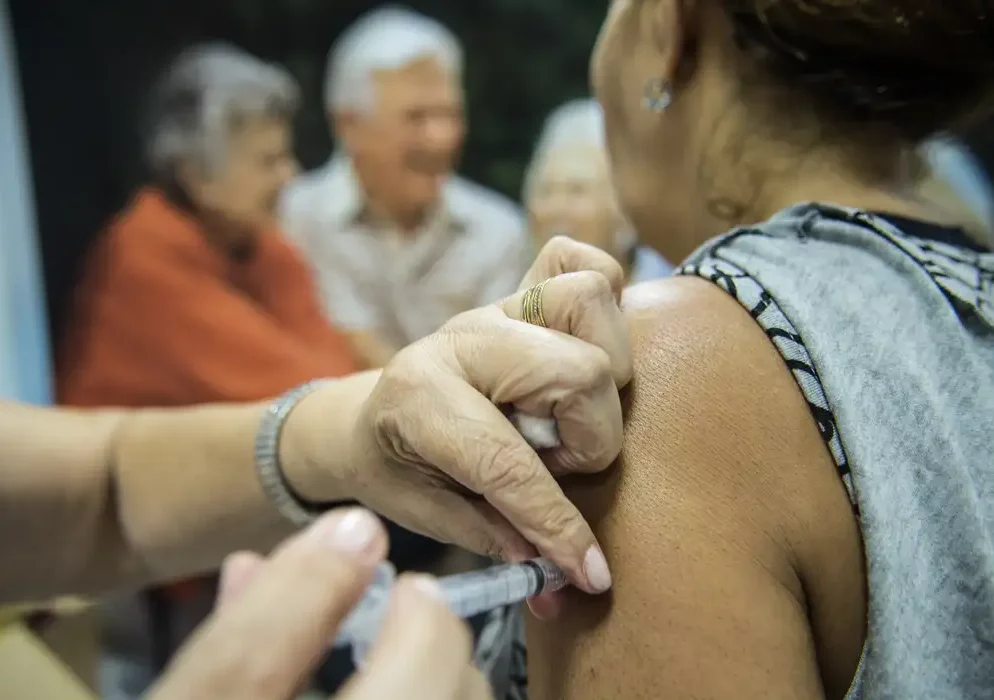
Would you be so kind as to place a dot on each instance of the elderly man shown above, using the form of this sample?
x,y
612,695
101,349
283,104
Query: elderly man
x,y
399,242
568,191
192,296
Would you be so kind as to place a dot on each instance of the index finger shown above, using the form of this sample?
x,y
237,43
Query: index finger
x,y
583,305
546,373
492,459
562,255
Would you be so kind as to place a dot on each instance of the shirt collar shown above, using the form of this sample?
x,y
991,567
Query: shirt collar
x,y
347,204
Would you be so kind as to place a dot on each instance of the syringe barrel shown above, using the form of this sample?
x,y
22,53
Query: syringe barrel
x,y
466,595
479,591
363,622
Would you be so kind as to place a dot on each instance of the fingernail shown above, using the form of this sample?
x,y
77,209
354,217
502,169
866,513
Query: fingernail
x,y
355,532
427,586
236,573
596,571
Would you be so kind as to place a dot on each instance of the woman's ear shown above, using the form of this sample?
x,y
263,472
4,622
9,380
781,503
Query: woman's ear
x,y
673,28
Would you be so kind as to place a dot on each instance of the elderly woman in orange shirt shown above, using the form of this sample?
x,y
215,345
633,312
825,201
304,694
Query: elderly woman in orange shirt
x,y
193,295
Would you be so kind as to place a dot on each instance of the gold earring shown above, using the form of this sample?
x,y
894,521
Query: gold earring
x,y
658,95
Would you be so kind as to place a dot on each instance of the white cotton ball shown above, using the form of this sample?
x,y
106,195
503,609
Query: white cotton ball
x,y
540,433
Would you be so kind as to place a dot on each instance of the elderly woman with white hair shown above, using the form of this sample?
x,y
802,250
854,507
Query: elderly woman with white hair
x,y
568,191
192,295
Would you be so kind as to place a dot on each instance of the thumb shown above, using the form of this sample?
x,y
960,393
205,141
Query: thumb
x,y
583,305
562,255
263,643
492,459
422,651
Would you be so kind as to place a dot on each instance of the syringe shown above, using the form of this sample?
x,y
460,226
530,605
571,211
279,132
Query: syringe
x,y
466,595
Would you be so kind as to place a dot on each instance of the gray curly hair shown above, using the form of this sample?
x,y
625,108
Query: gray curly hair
x,y
206,91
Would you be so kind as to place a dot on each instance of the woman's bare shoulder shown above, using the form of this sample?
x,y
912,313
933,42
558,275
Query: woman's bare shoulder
x,y
718,523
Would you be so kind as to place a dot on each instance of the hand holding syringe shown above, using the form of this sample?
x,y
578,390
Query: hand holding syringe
x,y
467,594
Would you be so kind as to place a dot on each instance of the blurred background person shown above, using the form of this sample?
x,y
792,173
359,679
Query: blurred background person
x,y
193,296
959,186
568,191
868,312
398,241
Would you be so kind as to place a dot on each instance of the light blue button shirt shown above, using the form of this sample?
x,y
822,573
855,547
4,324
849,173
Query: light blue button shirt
x,y
954,163
649,265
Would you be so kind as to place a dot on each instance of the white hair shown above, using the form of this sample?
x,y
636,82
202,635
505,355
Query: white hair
x,y
576,123
388,38
202,94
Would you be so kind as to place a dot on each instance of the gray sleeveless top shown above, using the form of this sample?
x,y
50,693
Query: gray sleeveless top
x,y
890,336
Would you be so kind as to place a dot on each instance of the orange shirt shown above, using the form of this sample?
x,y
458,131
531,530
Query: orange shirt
x,y
162,318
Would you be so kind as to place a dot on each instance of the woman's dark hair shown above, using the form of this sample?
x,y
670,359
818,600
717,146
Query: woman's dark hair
x,y
915,66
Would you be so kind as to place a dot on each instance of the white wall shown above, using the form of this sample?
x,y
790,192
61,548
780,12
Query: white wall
x,y
25,366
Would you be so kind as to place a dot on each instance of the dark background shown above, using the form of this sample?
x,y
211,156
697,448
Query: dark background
x,y
86,64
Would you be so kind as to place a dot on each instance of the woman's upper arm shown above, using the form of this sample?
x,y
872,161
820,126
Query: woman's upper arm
x,y
735,554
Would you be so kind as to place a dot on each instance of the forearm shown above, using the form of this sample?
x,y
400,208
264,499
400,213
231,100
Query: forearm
x,y
184,494
101,500
54,487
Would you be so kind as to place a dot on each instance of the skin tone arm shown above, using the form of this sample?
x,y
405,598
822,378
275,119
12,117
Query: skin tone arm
x,y
737,559
123,478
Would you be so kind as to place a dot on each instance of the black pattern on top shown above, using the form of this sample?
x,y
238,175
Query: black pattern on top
x,y
961,269
778,328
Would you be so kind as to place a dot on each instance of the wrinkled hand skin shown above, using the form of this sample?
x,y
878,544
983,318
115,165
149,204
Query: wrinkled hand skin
x,y
433,449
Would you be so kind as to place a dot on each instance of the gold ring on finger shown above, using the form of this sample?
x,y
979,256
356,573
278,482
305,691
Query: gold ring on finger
x,y
531,305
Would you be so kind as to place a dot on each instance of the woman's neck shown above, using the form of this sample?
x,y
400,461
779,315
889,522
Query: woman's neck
x,y
894,199
717,215
235,242
221,233
840,186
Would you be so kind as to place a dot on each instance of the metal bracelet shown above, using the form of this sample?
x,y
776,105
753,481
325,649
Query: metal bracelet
x,y
267,458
